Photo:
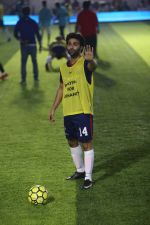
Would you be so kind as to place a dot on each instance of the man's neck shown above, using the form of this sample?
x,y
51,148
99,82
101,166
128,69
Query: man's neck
x,y
74,60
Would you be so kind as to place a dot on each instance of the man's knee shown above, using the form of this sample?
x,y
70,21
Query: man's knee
x,y
87,146
73,143
34,60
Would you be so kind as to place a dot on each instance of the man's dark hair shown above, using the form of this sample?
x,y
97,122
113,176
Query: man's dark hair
x,y
86,4
79,37
26,11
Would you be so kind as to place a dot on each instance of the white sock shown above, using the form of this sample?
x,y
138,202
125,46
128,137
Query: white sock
x,y
88,162
77,157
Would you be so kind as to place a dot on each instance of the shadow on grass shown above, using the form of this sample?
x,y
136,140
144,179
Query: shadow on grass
x,y
105,65
103,81
121,160
2,82
2,43
8,49
147,22
50,199
29,97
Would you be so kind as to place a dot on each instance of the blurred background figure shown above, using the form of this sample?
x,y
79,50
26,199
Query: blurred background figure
x,y
95,5
3,29
19,6
87,25
26,31
68,5
125,6
45,17
61,15
75,6
3,74
57,49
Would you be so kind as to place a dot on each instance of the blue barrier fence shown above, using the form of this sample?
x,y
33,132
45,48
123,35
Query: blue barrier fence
x,y
103,17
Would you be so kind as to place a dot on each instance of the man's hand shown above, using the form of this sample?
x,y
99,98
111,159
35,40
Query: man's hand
x,y
88,53
51,116
89,56
56,103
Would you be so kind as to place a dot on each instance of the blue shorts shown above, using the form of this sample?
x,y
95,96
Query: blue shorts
x,y
79,127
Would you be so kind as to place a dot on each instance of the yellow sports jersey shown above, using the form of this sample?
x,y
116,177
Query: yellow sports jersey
x,y
77,92
1,11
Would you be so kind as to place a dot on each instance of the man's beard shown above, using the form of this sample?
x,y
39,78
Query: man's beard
x,y
75,54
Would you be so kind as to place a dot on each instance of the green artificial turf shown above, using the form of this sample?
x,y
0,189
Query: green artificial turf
x,y
32,151
141,43
7,49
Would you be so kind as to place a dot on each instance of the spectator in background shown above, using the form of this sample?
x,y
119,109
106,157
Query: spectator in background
x,y
87,25
19,6
61,15
95,6
26,31
117,4
68,5
45,17
125,6
76,6
3,28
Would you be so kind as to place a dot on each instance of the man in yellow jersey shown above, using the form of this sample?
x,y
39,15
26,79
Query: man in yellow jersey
x,y
76,93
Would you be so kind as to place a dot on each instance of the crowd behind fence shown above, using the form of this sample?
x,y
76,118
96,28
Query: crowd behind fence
x,y
14,7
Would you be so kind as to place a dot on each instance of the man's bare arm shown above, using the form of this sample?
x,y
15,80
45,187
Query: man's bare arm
x,y
57,101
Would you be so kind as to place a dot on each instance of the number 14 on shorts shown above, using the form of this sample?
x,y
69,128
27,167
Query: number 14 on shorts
x,y
83,132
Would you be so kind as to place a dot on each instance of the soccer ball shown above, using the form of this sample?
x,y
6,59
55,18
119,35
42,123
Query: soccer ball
x,y
38,195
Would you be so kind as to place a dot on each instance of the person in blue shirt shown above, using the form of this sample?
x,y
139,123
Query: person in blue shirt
x,y
26,31
61,15
45,17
